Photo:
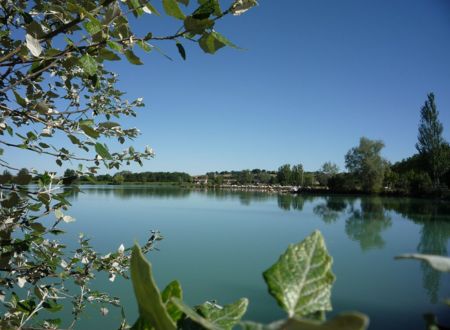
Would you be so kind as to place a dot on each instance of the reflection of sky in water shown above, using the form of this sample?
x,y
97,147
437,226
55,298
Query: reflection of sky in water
x,y
218,243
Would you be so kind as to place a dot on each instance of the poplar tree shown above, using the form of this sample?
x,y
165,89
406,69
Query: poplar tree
x,y
431,144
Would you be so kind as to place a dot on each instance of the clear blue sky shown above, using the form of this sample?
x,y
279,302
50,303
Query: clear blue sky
x,y
316,75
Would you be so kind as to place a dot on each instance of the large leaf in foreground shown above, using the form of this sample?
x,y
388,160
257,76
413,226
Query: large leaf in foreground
x,y
439,263
194,316
172,290
301,279
214,317
346,321
224,316
152,311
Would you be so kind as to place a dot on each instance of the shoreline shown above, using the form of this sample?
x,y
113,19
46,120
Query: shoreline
x,y
271,189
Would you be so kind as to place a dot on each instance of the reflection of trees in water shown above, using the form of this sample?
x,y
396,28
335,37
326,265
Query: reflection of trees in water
x,y
244,197
366,224
293,202
434,235
368,218
127,192
433,240
331,209
367,221
71,192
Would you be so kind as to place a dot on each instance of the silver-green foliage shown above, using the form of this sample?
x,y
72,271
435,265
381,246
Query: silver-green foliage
x,y
59,99
300,281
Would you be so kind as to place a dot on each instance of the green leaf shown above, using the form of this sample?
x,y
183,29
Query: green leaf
x,y
207,8
135,6
4,33
301,279
144,46
345,321
111,13
42,108
225,317
194,316
209,43
86,122
172,9
88,64
224,40
181,50
152,310
106,54
115,46
44,198
184,2
439,263
38,227
31,136
148,36
52,306
90,131
197,26
12,201
20,100
102,151
172,290
132,58
93,26
44,145
73,139
35,207
109,124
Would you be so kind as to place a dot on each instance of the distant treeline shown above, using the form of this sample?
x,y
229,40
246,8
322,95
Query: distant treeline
x,y
70,176
426,173
286,175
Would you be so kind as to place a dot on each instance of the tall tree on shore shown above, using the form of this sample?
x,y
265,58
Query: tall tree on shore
x,y
23,177
297,175
431,144
327,170
70,176
284,174
366,163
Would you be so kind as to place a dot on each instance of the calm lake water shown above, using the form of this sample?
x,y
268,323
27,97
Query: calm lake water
x,y
218,243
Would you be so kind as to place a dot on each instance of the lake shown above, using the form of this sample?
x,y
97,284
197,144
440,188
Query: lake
x,y
218,243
